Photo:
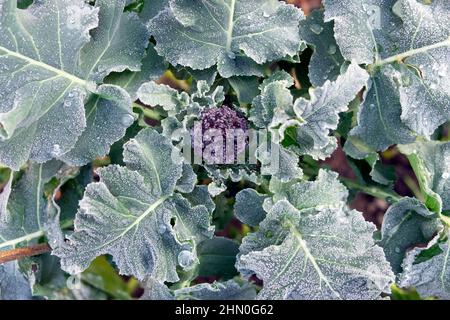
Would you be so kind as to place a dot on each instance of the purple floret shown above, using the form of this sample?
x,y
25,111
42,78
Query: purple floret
x,y
222,119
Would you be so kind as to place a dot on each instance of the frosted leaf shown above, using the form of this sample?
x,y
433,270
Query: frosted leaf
x,y
155,290
426,98
108,115
304,125
409,32
249,207
151,9
200,196
379,123
326,61
130,205
43,84
202,34
427,270
287,167
274,102
362,27
188,180
153,67
13,285
153,94
326,190
319,115
430,161
24,208
118,43
407,223
314,254
229,290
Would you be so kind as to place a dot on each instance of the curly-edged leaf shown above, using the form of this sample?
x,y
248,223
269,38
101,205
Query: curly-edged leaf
x,y
430,161
43,84
274,102
315,118
326,61
285,168
326,190
153,67
155,290
188,180
428,269
24,213
201,34
379,123
153,94
407,223
133,214
324,253
118,43
13,285
217,257
229,290
249,207
200,196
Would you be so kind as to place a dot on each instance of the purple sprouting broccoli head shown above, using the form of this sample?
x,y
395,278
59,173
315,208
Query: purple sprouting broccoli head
x,y
221,127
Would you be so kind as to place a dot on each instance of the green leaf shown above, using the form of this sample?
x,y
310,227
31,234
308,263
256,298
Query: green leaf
x,y
317,254
430,277
431,166
246,88
205,33
249,207
414,33
379,123
139,220
47,62
315,118
326,61
118,43
25,213
13,285
311,246
153,67
217,257
407,223
229,290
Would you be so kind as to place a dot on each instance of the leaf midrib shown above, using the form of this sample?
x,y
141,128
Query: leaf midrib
x,y
45,66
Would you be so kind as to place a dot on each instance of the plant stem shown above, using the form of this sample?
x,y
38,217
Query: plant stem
x,y
401,56
26,238
149,112
20,253
370,190
34,250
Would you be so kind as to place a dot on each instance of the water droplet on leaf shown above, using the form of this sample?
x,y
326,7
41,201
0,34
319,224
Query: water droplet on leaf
x,y
231,55
332,49
317,29
186,259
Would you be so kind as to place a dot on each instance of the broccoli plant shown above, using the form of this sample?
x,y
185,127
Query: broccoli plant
x,y
226,149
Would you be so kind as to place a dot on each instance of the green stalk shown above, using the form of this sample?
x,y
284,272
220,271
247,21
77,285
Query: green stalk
x,y
371,190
